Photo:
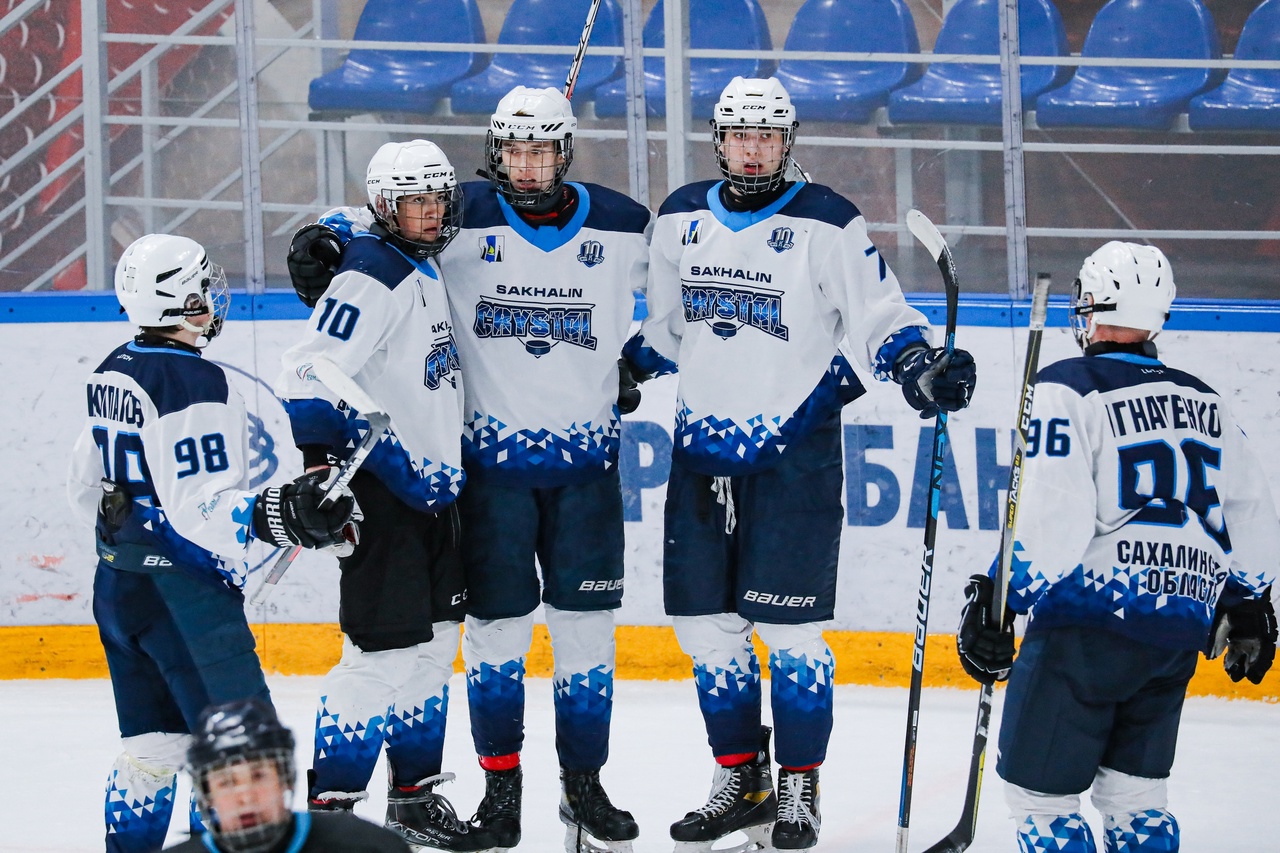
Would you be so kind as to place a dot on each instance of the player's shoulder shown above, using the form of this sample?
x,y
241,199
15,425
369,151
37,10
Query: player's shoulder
x,y
480,208
1105,373
820,203
372,256
687,199
611,210
173,378
342,831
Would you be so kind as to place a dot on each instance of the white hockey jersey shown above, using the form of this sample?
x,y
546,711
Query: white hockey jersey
x,y
752,307
384,322
1142,499
169,430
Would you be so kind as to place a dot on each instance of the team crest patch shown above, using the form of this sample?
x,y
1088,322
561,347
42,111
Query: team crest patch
x,y
591,252
491,248
780,239
692,229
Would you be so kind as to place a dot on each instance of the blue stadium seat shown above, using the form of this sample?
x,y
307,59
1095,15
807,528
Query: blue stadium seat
x,y
823,90
713,24
1133,97
1249,99
543,22
969,93
398,80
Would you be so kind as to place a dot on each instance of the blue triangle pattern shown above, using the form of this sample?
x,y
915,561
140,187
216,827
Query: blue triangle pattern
x,y
346,752
1039,833
415,738
801,683
137,822
726,689
1149,831
490,443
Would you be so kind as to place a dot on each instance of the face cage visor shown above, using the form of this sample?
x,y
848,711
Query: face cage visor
x,y
498,175
753,184
216,303
450,222
264,836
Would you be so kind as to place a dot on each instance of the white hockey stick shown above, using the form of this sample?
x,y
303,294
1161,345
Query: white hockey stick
x,y
576,66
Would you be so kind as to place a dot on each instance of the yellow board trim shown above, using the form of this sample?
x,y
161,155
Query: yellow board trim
x,y
645,652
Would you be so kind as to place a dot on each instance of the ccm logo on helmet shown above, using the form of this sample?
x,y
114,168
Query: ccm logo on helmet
x,y
600,586
780,600
752,107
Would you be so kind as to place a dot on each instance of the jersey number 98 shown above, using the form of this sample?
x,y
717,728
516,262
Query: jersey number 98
x,y
213,451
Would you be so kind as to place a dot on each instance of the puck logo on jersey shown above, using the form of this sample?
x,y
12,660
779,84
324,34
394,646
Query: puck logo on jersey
x,y
442,364
728,309
780,240
537,327
690,231
491,248
591,252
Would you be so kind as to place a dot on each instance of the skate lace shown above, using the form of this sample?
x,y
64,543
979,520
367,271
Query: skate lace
x,y
725,787
499,801
439,808
792,807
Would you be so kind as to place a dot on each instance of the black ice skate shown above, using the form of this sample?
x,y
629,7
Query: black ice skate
x,y
331,801
587,813
742,800
499,811
798,817
426,819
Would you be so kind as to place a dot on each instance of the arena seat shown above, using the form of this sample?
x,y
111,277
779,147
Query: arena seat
x,y
707,76
1249,99
1136,97
969,93
543,22
400,80
824,90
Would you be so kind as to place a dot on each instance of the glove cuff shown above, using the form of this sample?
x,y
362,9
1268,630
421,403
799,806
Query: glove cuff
x,y
268,518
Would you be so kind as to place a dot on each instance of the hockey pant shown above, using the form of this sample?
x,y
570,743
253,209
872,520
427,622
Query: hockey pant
x,y
398,697
1133,808
141,789
727,675
494,651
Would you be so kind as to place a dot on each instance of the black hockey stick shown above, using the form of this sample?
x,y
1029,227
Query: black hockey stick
x,y
927,233
571,81
961,837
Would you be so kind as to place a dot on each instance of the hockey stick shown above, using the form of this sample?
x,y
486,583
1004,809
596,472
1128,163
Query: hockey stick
x,y
927,233
961,837
574,67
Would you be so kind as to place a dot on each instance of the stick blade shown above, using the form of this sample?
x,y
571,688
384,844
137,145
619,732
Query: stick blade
x,y
926,232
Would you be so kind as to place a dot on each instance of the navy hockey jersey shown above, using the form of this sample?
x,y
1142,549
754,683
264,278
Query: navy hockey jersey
x,y
1142,500
752,307
384,323
165,425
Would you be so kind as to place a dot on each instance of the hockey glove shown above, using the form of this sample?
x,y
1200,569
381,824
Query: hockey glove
x,y
1247,633
628,388
294,515
932,381
986,650
314,256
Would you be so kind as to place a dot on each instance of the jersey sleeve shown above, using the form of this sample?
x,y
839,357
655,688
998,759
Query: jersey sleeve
x,y
874,315
1056,518
84,476
348,221
1249,512
655,350
199,464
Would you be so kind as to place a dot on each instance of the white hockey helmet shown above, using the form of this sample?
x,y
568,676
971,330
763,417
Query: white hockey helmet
x,y
162,279
526,114
754,103
1123,284
413,168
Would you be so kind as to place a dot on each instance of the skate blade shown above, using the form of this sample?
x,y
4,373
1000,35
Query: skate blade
x,y
576,842
758,838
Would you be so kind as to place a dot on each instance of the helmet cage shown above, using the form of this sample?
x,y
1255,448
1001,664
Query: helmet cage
x,y
752,184
254,839
386,209
214,299
502,132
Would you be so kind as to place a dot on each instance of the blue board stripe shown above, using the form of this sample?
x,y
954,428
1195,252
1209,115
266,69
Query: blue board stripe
x,y
978,309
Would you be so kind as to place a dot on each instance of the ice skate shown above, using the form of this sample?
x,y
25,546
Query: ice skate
x,y
427,821
499,811
798,817
593,824
332,801
741,800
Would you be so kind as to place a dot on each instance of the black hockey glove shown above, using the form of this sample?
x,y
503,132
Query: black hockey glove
x,y
986,651
930,381
1247,633
628,388
314,256
293,515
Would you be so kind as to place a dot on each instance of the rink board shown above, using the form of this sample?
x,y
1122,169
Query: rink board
x,y
46,557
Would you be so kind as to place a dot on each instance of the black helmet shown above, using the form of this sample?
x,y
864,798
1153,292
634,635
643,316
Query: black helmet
x,y
240,733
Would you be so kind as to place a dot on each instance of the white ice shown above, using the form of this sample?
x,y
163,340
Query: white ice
x,y
60,738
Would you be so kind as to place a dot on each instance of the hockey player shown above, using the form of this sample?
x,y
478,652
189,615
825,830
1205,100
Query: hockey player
x,y
383,337
754,283
1143,512
241,763
162,471
541,285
